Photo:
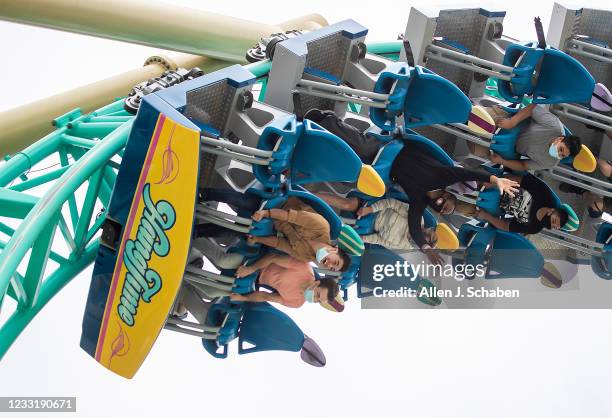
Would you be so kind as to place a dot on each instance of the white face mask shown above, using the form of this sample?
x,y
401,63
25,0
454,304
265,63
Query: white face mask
x,y
321,254
309,295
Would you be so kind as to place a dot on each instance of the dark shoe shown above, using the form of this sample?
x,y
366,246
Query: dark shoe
x,y
570,188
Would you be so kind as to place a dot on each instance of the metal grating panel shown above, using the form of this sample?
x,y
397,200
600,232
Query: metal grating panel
x,y
465,26
313,102
328,53
597,24
210,104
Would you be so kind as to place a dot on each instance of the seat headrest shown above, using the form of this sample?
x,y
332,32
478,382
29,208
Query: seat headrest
x,y
585,160
573,222
447,239
350,241
480,121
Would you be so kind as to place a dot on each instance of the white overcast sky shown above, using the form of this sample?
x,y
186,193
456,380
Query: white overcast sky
x,y
394,363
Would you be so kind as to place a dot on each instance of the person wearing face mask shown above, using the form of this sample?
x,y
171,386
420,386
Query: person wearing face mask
x,y
293,282
391,229
596,205
305,235
532,209
419,173
542,140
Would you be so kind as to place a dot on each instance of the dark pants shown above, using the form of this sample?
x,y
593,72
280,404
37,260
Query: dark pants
x,y
243,203
240,202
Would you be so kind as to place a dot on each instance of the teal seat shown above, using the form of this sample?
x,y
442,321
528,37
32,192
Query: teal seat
x,y
524,58
432,99
504,142
286,131
499,251
562,79
268,329
394,81
321,156
509,247
488,200
602,264
384,160
227,315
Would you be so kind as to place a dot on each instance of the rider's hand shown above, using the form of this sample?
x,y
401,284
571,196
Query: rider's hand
x,y
237,297
505,124
243,271
506,186
433,255
364,211
251,239
259,215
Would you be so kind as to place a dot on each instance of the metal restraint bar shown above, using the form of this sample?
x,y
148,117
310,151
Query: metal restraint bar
x,y
583,115
224,219
469,62
560,237
572,241
462,131
342,93
561,173
239,152
192,328
587,49
567,175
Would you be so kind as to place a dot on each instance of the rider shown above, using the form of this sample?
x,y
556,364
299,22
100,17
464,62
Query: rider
x,y
543,139
293,282
418,173
391,229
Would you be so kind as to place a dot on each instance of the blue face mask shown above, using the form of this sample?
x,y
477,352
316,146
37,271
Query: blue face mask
x,y
321,254
309,295
594,213
554,152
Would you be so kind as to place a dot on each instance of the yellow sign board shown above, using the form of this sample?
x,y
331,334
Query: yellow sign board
x,y
153,251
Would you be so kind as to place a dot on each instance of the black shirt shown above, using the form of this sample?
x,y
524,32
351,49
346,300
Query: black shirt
x,y
525,205
418,173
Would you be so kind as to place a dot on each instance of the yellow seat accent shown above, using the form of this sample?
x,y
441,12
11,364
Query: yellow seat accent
x,y
369,182
585,160
447,239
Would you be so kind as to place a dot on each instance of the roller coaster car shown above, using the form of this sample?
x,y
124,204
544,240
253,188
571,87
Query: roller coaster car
x,y
498,251
138,273
602,264
559,78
